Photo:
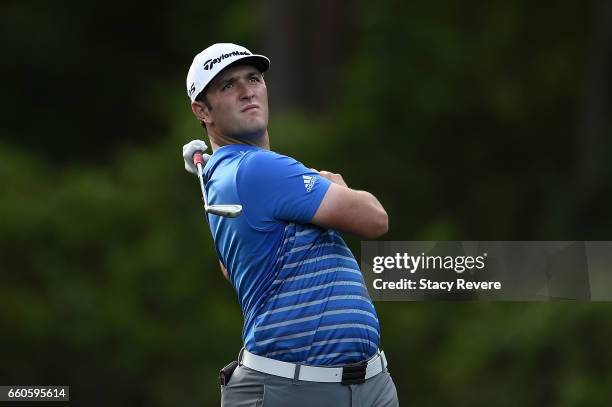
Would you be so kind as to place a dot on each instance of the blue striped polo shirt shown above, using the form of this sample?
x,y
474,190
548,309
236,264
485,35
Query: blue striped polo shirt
x,y
299,286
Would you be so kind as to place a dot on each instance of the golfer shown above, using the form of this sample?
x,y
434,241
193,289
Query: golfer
x,y
311,333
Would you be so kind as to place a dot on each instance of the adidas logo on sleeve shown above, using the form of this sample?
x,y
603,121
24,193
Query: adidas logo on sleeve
x,y
309,182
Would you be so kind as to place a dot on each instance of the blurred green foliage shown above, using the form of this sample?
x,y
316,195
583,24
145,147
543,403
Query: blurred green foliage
x,y
467,120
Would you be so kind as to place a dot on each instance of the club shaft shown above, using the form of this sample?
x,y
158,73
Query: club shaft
x,y
230,211
202,186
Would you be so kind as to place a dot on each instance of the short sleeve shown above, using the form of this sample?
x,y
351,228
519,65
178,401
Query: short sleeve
x,y
274,187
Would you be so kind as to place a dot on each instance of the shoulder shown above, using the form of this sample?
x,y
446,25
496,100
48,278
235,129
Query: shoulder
x,y
266,155
265,162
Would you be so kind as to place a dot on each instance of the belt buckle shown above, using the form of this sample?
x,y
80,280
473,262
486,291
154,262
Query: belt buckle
x,y
354,374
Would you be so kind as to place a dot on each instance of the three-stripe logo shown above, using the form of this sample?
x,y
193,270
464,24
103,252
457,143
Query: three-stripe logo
x,y
309,182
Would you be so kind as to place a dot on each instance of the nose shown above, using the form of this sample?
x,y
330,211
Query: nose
x,y
246,93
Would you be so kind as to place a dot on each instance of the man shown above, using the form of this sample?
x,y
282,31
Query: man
x,y
311,333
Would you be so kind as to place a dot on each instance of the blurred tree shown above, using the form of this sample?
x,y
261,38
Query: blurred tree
x,y
468,120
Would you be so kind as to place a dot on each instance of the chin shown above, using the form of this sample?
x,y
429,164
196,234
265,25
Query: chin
x,y
257,127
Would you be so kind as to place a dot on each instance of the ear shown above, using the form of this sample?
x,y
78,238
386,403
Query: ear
x,y
201,111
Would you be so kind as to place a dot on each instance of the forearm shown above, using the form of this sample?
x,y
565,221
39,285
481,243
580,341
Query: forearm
x,y
353,211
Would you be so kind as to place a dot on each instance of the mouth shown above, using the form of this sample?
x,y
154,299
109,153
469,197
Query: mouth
x,y
249,107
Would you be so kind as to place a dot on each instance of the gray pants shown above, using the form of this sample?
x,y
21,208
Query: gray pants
x,y
248,387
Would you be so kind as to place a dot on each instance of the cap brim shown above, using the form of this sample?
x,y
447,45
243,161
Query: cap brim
x,y
258,61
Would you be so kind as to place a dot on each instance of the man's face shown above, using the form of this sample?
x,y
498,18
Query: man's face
x,y
239,100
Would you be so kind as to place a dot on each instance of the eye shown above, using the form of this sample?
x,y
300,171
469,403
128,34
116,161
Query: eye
x,y
255,79
227,86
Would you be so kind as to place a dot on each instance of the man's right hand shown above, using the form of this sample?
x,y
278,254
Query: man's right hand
x,y
333,177
189,150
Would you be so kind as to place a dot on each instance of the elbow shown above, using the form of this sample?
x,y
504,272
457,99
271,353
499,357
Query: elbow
x,y
379,226
383,223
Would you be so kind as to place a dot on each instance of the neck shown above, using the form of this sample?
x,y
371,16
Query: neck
x,y
219,140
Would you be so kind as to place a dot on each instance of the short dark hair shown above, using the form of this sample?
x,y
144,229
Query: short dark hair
x,y
203,99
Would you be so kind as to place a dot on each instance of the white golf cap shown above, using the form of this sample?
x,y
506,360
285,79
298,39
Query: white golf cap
x,y
208,63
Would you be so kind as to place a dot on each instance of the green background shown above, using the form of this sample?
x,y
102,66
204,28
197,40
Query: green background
x,y
469,120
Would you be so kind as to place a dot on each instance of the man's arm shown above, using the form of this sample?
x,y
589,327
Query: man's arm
x,y
349,210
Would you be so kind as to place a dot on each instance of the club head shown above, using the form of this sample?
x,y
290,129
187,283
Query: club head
x,y
228,211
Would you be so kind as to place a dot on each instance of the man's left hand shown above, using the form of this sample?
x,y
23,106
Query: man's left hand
x,y
189,150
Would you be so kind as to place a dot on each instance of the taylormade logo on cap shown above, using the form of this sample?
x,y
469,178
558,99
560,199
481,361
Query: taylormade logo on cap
x,y
210,62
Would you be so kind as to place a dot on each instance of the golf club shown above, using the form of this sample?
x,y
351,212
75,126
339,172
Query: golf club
x,y
228,211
